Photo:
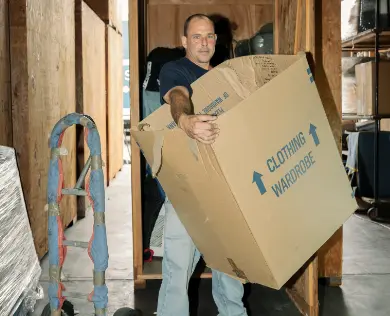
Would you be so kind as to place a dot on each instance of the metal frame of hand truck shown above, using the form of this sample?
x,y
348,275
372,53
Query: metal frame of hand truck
x,y
97,246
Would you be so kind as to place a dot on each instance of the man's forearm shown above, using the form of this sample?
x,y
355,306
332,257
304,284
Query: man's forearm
x,y
180,104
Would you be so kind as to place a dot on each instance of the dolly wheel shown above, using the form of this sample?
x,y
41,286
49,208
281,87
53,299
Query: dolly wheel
x,y
67,309
126,311
373,213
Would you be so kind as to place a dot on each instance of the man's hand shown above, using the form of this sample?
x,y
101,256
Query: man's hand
x,y
199,127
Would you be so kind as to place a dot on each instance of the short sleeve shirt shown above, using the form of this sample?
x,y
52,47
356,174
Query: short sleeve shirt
x,y
181,72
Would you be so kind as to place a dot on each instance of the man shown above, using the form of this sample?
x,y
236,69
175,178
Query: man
x,y
180,253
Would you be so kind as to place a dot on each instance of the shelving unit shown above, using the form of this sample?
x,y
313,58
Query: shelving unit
x,y
372,40
365,41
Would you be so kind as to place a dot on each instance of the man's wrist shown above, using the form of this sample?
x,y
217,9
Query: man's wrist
x,y
180,120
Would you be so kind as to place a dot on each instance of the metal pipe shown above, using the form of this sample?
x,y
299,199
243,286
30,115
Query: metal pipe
x,y
83,173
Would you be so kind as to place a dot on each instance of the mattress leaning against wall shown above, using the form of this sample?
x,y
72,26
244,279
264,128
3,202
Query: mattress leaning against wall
x,y
19,266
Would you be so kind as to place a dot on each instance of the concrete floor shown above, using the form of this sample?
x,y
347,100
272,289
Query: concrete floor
x,y
366,270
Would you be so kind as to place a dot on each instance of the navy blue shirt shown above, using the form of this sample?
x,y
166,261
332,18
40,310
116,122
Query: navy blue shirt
x,y
181,72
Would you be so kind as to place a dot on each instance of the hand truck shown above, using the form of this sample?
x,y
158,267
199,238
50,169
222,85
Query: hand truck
x,y
97,245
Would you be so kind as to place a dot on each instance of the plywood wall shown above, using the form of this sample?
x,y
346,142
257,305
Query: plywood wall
x,y
91,77
165,18
43,90
5,101
114,52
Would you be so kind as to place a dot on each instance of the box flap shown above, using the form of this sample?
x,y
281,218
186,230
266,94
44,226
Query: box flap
x,y
152,143
226,85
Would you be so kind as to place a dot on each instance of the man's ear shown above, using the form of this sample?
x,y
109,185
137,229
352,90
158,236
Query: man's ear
x,y
184,41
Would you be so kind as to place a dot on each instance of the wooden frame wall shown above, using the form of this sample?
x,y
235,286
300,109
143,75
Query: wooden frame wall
x,y
300,25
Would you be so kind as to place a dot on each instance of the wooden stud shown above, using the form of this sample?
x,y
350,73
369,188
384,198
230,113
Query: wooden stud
x,y
5,103
328,69
135,152
139,284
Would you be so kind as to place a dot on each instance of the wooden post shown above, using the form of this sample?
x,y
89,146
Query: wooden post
x,y
320,36
5,74
328,70
135,152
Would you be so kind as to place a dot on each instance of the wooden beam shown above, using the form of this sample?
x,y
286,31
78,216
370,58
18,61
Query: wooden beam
x,y
209,2
5,77
292,37
135,152
304,289
327,60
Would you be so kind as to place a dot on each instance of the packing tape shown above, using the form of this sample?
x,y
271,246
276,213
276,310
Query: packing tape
x,y
56,152
100,312
96,162
54,209
99,278
84,121
55,273
99,218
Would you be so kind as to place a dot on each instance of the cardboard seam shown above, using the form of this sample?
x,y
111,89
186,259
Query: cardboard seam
x,y
238,206
208,95
234,87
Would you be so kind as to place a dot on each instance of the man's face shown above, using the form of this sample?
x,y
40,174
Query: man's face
x,y
200,40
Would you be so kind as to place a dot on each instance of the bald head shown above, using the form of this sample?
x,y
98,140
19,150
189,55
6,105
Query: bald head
x,y
199,39
195,17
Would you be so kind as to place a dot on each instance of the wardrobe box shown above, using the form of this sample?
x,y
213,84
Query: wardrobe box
x,y
272,189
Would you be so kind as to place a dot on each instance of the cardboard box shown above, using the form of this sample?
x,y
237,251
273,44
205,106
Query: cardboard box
x,y
365,82
272,189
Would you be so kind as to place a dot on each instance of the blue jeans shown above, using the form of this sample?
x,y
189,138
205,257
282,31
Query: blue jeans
x,y
179,261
